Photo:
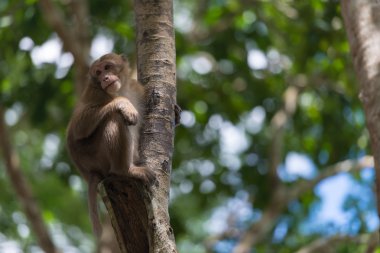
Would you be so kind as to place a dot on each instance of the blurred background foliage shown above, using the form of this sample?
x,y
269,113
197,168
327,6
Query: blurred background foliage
x,y
235,60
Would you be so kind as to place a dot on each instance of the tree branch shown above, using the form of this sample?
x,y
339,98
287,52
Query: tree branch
x,y
279,198
55,18
327,245
348,166
277,126
372,243
81,19
361,19
24,191
283,196
127,211
75,40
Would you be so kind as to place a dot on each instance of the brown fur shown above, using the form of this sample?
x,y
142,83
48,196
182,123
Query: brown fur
x,y
103,133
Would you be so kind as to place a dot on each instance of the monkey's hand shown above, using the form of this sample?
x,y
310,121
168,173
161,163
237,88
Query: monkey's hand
x,y
177,114
129,112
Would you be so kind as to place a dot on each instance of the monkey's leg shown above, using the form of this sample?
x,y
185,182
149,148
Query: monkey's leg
x,y
118,142
134,170
137,170
120,145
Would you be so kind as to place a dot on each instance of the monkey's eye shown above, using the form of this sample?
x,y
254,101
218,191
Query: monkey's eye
x,y
98,72
107,67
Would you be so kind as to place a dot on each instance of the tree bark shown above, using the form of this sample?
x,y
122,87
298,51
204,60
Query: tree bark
x,y
156,66
362,22
140,215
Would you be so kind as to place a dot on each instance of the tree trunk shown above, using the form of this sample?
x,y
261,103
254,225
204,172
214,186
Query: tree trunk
x,y
156,66
140,215
362,21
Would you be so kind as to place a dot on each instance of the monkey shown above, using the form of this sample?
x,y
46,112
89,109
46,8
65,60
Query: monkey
x,y
103,132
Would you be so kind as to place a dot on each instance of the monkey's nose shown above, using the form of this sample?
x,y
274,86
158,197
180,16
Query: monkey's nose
x,y
105,79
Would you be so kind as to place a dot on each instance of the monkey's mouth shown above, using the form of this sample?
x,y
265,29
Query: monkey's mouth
x,y
109,84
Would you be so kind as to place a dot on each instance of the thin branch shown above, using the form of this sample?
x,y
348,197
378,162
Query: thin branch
x,y
328,244
348,166
76,40
279,198
24,191
258,230
81,19
55,18
80,16
372,243
278,125
283,196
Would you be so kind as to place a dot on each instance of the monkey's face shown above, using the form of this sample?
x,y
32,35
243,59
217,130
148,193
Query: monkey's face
x,y
106,72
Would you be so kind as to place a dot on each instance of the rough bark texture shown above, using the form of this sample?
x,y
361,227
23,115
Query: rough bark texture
x,y
140,215
157,72
128,213
362,22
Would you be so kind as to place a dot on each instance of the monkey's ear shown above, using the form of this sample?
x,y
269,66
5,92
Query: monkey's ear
x,y
124,57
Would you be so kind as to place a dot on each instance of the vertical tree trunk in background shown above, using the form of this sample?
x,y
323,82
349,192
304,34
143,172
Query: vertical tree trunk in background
x,y
76,38
24,191
362,22
81,30
156,66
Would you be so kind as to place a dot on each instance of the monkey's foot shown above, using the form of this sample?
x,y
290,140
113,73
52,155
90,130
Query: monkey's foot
x,y
142,173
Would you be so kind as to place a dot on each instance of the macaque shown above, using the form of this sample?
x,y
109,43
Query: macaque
x,y
103,133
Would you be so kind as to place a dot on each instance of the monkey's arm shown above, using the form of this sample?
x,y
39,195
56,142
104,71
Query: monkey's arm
x,y
87,118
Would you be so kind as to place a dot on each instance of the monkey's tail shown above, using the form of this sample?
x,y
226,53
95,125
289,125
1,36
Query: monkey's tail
x,y
93,204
